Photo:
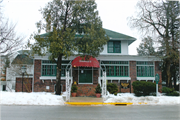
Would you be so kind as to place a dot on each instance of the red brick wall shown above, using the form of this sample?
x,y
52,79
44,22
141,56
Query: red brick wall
x,y
39,85
120,89
158,71
37,73
95,76
125,90
133,74
86,90
27,85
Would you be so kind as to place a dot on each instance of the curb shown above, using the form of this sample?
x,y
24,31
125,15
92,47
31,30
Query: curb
x,y
95,103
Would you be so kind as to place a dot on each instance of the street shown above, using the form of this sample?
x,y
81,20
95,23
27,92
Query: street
x,y
139,112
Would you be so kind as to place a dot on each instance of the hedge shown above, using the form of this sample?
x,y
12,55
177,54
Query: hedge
x,y
143,88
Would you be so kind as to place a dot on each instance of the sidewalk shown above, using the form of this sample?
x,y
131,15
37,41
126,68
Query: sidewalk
x,y
90,101
86,99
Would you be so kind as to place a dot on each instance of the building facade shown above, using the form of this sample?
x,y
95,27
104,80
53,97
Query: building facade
x,y
121,68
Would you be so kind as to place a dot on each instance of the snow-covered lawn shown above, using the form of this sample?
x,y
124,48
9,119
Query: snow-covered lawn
x,y
44,98
36,98
149,100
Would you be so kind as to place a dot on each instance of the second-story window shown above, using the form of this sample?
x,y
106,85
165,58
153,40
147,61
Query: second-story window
x,y
114,47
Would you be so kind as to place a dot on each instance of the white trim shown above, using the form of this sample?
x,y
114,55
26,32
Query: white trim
x,y
51,78
146,78
110,57
23,77
115,57
116,78
85,83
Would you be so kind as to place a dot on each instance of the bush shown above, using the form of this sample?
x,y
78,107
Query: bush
x,y
169,91
112,88
143,88
98,89
174,93
74,89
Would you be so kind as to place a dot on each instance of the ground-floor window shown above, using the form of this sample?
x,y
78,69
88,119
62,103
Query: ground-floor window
x,y
116,68
145,69
50,69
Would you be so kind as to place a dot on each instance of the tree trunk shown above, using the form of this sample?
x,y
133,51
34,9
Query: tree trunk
x,y
58,76
169,82
174,78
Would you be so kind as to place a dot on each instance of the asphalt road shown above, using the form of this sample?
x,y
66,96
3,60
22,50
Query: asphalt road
x,y
140,112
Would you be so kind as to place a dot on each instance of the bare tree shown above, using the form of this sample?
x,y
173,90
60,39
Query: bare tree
x,y
160,18
9,40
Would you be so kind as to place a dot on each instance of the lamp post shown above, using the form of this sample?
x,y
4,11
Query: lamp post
x,y
23,70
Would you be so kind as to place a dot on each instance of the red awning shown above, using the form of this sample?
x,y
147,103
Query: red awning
x,y
79,62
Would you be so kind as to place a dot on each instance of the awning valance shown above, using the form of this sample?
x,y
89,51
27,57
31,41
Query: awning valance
x,y
81,62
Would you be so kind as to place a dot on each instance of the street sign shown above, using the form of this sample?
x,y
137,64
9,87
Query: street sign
x,y
157,78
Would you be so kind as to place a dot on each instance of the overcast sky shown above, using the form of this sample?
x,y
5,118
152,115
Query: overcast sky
x,y
113,14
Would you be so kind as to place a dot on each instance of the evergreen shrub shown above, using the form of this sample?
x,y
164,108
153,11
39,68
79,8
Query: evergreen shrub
x,y
112,88
98,89
143,88
169,91
74,89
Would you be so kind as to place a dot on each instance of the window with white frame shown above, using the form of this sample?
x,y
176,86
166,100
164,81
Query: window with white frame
x,y
116,68
145,68
114,47
49,69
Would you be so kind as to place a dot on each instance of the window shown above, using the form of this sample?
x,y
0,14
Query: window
x,y
49,68
145,69
116,68
114,47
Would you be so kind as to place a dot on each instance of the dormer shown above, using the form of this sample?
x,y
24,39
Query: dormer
x,y
118,43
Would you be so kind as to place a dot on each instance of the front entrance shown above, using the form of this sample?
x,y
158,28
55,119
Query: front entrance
x,y
85,76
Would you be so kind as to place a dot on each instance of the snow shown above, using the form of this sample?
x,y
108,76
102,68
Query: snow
x,y
45,98
147,100
35,98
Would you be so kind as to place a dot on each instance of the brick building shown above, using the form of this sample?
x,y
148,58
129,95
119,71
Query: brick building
x,y
121,68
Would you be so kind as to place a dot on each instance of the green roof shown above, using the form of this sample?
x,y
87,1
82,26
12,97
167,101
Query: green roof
x,y
119,36
111,34
22,59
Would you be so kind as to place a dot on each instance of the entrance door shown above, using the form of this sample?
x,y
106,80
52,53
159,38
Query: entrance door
x,y
85,76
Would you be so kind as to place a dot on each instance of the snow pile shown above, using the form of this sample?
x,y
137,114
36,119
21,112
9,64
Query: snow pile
x,y
44,98
36,98
149,100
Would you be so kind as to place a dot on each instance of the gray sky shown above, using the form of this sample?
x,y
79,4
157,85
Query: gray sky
x,y
113,14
